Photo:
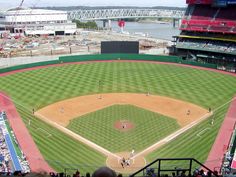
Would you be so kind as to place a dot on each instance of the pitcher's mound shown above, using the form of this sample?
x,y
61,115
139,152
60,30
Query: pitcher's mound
x,y
123,125
134,163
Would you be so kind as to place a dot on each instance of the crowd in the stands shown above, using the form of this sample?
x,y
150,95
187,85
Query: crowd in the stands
x,y
210,45
4,155
23,161
107,172
6,165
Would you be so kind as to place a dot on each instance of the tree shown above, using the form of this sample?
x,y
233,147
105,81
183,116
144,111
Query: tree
x,y
87,25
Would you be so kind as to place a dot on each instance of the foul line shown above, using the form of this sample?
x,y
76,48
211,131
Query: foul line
x,y
105,151
67,131
12,100
179,132
172,136
78,137
224,104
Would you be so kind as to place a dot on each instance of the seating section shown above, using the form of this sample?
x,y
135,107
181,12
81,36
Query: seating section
x,y
227,14
203,12
232,48
230,156
207,45
11,160
205,18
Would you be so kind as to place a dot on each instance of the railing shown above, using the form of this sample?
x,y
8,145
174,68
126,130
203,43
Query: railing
x,y
172,165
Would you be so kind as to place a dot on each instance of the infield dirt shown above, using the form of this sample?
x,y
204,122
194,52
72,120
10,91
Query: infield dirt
x,y
60,113
64,111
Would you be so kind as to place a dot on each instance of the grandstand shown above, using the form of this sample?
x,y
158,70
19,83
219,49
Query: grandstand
x,y
230,156
12,158
208,33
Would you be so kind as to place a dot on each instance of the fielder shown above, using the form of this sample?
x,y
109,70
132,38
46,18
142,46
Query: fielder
x,y
132,153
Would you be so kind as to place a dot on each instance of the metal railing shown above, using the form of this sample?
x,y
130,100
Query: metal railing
x,y
171,165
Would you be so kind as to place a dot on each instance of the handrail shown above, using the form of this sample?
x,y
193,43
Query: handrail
x,y
175,159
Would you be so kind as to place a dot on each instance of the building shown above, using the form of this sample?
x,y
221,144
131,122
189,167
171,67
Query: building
x,y
208,33
36,22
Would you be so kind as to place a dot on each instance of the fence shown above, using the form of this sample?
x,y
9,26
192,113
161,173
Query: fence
x,y
171,59
79,58
178,166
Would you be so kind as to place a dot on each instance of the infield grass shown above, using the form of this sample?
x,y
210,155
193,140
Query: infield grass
x,y
149,127
38,88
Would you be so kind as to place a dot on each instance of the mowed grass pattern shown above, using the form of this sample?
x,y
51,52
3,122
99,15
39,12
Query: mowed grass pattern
x,y
195,143
149,127
38,88
60,150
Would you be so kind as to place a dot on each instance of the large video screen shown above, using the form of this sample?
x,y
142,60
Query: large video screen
x,y
120,47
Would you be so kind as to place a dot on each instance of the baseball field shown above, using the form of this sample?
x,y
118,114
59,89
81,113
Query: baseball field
x,y
168,98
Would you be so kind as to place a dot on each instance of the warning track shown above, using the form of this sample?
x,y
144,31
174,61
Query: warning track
x,y
33,155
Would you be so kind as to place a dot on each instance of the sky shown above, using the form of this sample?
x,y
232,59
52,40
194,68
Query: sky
x,y
40,3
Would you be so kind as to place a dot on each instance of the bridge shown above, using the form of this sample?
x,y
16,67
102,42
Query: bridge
x,y
109,14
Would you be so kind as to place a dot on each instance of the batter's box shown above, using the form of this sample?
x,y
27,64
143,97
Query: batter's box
x,y
44,132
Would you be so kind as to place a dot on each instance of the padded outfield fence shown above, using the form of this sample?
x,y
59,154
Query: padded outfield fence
x,y
59,164
83,58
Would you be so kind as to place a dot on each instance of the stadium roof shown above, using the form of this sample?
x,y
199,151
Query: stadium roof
x,y
25,11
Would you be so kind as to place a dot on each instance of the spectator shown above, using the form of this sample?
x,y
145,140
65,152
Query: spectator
x,y
183,173
209,174
77,174
87,175
104,172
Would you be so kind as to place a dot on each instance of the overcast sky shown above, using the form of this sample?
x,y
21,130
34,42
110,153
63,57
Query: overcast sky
x,y
37,3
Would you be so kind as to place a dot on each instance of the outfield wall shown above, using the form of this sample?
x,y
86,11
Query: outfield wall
x,y
24,66
160,58
80,58
14,61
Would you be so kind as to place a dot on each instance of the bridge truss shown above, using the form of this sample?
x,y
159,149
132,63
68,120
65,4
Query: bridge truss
x,y
106,14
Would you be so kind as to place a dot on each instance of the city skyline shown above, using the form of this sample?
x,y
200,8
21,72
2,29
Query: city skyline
x,y
42,3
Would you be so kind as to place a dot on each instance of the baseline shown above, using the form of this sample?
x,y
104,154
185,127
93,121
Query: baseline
x,y
223,138
23,137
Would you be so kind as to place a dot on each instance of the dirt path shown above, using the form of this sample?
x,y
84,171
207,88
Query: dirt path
x,y
60,113
29,148
220,146
153,147
76,136
64,111
143,61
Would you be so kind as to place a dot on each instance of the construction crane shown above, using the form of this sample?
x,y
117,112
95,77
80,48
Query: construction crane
x,y
22,1
14,23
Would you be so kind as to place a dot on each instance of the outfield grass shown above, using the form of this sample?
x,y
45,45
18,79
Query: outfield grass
x,y
60,150
38,88
191,145
149,128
